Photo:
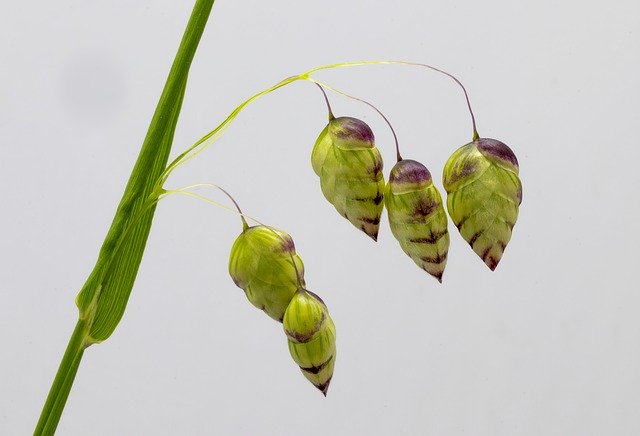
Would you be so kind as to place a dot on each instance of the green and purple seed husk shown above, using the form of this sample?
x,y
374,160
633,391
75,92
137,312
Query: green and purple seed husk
x,y
417,217
484,194
311,336
261,264
350,169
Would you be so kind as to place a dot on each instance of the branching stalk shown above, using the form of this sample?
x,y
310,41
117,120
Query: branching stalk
x,y
103,298
208,139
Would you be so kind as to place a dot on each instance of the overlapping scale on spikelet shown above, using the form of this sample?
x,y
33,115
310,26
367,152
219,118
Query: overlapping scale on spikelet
x,y
484,194
350,169
311,336
417,217
261,264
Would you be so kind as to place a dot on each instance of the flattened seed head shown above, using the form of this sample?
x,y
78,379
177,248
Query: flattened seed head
x,y
260,263
350,170
484,195
311,337
417,217
304,317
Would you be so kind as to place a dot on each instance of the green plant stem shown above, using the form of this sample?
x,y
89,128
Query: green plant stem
x,y
150,164
63,381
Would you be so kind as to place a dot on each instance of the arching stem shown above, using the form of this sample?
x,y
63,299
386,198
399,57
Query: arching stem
x,y
185,189
238,211
415,64
393,132
210,137
326,99
202,143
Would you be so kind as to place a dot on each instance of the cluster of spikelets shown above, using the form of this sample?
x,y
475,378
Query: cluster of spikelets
x,y
264,263
481,180
484,193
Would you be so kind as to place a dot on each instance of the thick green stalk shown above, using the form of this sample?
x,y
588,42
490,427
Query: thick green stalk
x,y
103,298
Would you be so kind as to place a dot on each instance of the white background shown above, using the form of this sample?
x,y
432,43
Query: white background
x,y
548,344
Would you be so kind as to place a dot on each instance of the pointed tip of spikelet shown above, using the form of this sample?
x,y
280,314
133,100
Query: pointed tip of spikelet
x,y
324,388
492,263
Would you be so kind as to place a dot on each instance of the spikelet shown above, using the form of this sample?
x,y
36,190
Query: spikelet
x,y
260,264
311,336
417,217
350,169
484,193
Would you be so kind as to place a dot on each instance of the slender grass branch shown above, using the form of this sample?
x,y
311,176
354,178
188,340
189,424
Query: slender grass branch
x,y
414,64
237,211
208,139
386,120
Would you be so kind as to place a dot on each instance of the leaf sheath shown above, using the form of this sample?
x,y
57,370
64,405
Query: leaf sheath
x,y
103,298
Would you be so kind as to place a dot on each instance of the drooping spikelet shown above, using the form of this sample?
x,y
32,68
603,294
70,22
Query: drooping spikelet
x,y
484,193
261,264
417,217
350,169
311,336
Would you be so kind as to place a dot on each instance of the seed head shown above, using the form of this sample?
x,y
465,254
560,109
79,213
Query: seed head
x,y
484,194
417,217
311,336
350,169
261,264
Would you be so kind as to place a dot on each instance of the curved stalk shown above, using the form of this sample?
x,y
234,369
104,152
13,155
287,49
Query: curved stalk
x,y
414,64
204,142
386,120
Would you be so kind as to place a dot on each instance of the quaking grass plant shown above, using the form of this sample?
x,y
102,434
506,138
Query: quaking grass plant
x,y
483,197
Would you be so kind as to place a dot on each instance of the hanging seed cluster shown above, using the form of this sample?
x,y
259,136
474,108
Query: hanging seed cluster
x,y
311,336
417,217
484,194
350,169
481,180
264,264
261,264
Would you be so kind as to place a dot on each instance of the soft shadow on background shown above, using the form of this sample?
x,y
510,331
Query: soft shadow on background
x,y
547,344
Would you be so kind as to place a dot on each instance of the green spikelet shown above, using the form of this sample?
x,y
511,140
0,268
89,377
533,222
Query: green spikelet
x,y
260,264
417,217
484,192
311,336
350,169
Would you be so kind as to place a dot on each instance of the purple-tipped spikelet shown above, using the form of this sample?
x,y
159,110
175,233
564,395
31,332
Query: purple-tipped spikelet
x,y
350,169
484,194
311,336
261,264
417,217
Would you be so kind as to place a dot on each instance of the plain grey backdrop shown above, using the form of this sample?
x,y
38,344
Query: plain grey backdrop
x,y
548,344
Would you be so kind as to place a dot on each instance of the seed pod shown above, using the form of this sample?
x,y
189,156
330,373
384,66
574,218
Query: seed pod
x,y
311,336
417,217
350,169
260,264
484,192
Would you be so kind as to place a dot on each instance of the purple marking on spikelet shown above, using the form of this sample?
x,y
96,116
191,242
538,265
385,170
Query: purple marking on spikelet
x,y
353,128
497,149
409,171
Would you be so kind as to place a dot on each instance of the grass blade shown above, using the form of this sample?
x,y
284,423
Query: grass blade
x,y
103,298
